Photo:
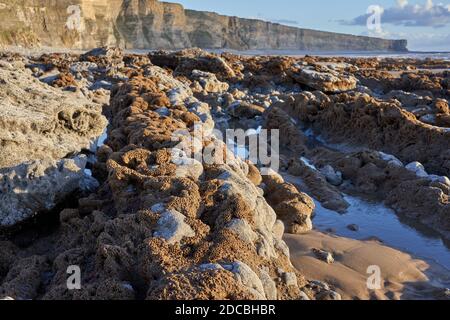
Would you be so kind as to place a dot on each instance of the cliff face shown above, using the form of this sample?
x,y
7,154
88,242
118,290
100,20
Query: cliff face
x,y
150,24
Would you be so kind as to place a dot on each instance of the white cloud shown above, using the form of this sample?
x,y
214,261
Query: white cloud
x,y
427,15
402,3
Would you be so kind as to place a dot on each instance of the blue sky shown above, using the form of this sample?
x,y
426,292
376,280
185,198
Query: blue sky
x,y
424,23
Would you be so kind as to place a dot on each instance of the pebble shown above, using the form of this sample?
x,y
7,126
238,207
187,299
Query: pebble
x,y
324,255
353,227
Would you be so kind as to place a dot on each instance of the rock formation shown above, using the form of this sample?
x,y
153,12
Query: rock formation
x,y
41,131
162,225
381,125
324,79
40,122
159,222
150,24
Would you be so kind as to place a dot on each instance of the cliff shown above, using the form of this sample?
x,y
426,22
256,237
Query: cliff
x,y
150,24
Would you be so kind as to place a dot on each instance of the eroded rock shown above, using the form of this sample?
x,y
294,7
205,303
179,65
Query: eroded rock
x,y
38,122
324,256
38,186
324,79
292,207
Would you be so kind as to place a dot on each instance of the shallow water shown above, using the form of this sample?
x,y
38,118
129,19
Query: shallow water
x,y
102,139
376,220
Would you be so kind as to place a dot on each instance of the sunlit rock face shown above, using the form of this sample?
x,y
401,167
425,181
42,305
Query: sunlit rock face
x,y
42,130
157,25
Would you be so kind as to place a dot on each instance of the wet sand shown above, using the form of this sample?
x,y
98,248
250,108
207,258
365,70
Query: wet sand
x,y
402,277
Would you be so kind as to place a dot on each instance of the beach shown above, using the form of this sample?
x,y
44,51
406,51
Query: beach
x,y
137,168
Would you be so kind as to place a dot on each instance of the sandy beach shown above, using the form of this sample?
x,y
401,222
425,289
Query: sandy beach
x,y
403,277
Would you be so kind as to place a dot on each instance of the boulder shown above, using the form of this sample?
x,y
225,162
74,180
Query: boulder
x,y
253,174
334,177
418,169
323,255
441,106
185,61
104,56
408,99
289,278
244,110
249,279
292,207
172,227
38,186
324,79
443,120
41,131
39,122
208,82
270,287
318,186
323,291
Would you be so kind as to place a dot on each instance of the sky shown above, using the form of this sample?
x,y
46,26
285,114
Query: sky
x,y
424,23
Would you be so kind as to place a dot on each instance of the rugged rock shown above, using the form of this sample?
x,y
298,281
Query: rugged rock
x,y
41,130
314,182
317,185
208,82
324,79
323,255
166,224
290,136
243,110
420,83
324,291
187,61
38,186
294,208
334,177
162,225
158,25
408,99
380,125
410,190
106,57
425,201
39,122
24,277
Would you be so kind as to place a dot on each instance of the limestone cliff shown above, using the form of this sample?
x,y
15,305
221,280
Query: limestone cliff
x,y
150,24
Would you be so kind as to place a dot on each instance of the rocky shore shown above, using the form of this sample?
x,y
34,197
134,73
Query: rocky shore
x,y
96,170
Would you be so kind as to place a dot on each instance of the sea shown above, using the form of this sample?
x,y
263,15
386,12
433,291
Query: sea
x,y
353,54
